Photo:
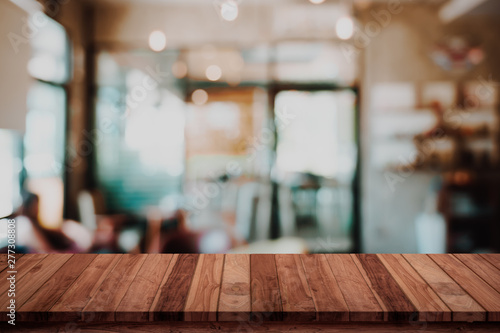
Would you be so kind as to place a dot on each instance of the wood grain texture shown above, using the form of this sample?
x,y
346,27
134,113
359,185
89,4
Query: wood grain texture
x,y
37,306
235,300
268,327
483,268
4,261
255,290
297,301
23,266
428,304
35,278
464,307
328,299
203,296
265,292
106,299
69,307
386,289
493,258
482,292
141,293
171,298
362,304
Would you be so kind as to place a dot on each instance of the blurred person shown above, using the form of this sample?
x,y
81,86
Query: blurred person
x,y
32,237
184,240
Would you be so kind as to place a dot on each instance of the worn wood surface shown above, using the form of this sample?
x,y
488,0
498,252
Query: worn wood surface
x,y
362,304
203,296
296,298
36,307
462,305
428,304
411,289
236,327
102,305
265,292
235,299
472,283
397,304
140,295
325,291
171,297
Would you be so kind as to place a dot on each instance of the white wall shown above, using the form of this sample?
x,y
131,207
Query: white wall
x,y
187,24
400,53
14,78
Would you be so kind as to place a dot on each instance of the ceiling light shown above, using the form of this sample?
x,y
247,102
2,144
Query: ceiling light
x,y
345,28
157,41
229,10
316,2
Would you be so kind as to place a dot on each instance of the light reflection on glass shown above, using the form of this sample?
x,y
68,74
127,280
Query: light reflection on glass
x,y
10,172
50,52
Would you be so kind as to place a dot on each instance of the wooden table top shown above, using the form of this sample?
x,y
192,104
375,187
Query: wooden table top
x,y
266,287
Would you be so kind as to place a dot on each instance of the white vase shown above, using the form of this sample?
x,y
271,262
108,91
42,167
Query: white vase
x,y
431,233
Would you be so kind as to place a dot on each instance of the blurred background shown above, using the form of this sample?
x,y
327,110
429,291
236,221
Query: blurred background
x,y
250,126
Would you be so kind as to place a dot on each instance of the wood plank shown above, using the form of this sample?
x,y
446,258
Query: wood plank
x,y
5,261
23,266
368,282
429,306
71,304
296,298
203,296
483,268
103,304
328,299
464,307
363,306
482,292
264,288
267,327
171,297
170,268
298,288
493,258
37,306
140,295
235,300
35,278
385,288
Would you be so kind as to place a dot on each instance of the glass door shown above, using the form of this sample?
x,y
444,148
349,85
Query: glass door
x,y
316,159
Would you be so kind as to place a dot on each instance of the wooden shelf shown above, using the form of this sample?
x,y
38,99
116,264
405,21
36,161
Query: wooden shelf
x,y
370,292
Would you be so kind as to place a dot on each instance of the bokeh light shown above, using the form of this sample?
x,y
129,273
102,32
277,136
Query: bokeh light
x,y
345,28
229,10
157,41
199,97
213,72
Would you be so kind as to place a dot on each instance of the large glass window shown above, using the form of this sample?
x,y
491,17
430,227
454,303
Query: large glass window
x,y
140,116
319,136
45,138
10,172
44,142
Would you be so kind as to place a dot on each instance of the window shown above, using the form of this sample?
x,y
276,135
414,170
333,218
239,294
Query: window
x,y
10,172
140,118
45,139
